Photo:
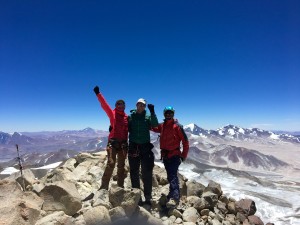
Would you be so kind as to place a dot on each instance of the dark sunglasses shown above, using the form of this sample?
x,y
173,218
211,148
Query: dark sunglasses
x,y
169,112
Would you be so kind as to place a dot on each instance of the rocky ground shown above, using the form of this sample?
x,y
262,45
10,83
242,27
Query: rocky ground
x,y
57,199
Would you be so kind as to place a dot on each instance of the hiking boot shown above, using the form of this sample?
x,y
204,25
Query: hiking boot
x,y
140,203
147,205
172,203
147,202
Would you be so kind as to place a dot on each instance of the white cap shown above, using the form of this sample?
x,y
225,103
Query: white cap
x,y
141,100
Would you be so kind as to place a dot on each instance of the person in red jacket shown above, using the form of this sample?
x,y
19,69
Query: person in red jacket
x,y
171,135
117,145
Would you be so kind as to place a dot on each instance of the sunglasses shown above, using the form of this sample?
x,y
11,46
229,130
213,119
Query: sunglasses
x,y
120,103
141,104
169,112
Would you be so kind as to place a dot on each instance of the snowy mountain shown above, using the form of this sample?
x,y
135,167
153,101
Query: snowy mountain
x,y
231,132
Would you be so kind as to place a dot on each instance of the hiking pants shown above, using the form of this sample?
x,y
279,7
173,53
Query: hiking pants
x,y
171,166
141,155
116,151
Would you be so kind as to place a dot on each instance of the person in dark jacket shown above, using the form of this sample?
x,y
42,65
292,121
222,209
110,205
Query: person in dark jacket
x,y
140,148
117,145
171,135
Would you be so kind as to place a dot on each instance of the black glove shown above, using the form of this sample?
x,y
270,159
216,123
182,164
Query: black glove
x,y
151,108
96,90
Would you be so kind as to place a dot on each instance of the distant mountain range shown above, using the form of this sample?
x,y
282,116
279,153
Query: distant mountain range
x,y
87,139
231,132
212,147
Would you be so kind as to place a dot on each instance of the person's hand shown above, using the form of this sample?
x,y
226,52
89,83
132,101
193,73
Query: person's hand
x,y
96,90
151,108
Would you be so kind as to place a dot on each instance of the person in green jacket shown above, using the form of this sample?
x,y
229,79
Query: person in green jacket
x,y
140,148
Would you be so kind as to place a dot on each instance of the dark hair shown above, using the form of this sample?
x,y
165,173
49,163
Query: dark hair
x,y
120,100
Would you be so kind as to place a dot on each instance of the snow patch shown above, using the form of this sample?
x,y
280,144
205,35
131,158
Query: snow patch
x,y
231,131
241,130
50,166
274,136
9,170
191,126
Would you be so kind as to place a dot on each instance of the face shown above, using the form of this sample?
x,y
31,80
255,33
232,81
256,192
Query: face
x,y
120,106
169,115
140,107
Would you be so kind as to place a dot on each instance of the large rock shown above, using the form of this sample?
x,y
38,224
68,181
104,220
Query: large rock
x,y
59,174
18,207
61,196
198,203
246,207
211,198
56,218
214,188
190,215
194,188
126,198
255,220
27,179
96,216
102,198
117,214
96,158
142,216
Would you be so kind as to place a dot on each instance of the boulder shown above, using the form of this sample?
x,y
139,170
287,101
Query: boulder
x,y
61,196
117,213
190,215
246,207
18,207
211,198
255,220
126,198
214,188
194,188
97,215
54,218
27,179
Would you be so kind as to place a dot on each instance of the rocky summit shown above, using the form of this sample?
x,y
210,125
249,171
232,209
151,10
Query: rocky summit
x,y
60,197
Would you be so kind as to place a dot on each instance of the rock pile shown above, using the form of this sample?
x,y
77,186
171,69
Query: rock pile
x,y
57,199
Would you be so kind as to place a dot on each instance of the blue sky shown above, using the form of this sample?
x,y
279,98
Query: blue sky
x,y
216,62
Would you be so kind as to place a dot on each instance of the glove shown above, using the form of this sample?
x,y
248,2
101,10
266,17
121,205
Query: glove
x,y
151,108
96,90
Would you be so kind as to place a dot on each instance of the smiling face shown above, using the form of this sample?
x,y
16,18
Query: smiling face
x,y
120,105
140,107
169,115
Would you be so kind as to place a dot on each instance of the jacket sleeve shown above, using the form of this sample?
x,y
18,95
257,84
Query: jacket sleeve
x,y
185,142
156,129
105,106
153,120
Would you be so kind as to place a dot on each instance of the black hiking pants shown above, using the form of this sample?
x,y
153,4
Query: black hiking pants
x,y
141,155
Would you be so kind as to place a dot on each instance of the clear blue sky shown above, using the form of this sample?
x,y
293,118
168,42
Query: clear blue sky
x,y
216,62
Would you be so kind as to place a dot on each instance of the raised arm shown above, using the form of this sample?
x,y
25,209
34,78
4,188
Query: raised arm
x,y
103,103
153,117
